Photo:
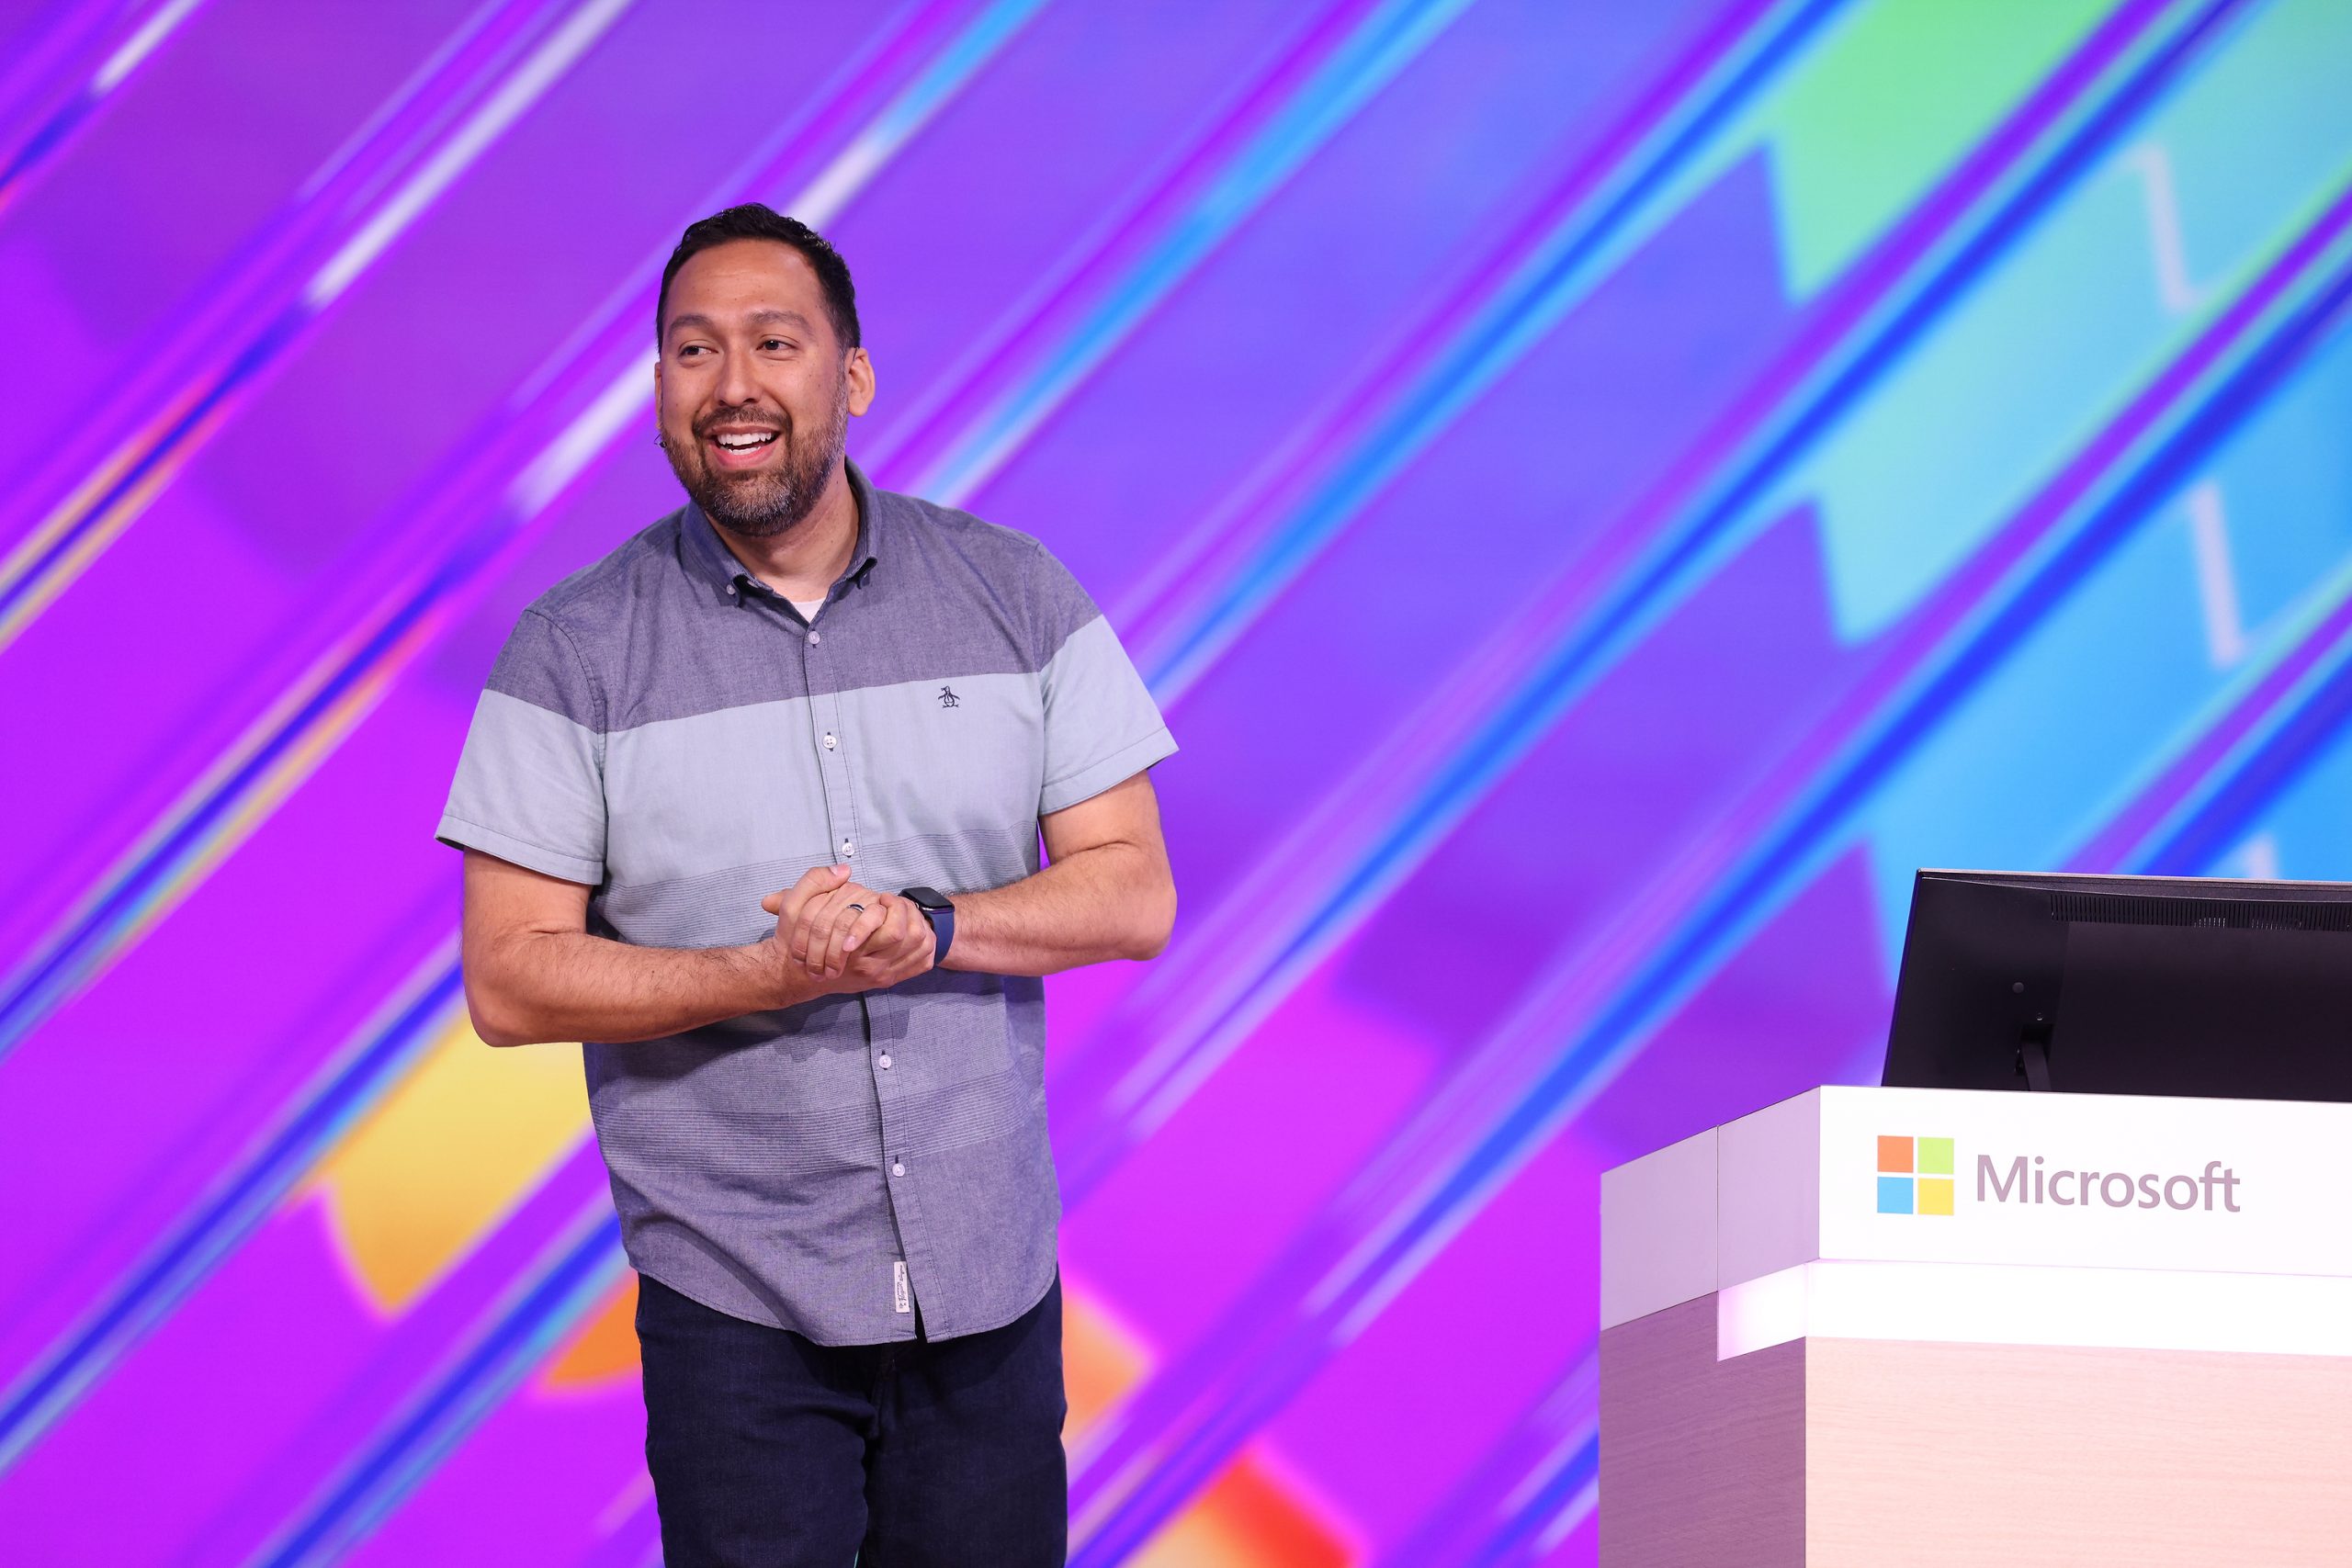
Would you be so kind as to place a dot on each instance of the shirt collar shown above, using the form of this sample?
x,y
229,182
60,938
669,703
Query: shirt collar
x,y
717,563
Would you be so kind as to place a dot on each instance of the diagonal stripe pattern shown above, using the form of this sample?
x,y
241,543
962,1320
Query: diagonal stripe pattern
x,y
1584,485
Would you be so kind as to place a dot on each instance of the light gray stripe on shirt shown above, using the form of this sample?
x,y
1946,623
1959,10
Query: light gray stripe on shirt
x,y
687,797
527,786
1102,726
741,785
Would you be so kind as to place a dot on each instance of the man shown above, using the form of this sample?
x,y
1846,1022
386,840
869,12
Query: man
x,y
751,806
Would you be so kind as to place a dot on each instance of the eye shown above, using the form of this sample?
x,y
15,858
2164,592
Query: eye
x,y
772,342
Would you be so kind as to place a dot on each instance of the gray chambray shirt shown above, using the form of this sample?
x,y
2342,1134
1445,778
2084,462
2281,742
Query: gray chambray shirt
x,y
666,730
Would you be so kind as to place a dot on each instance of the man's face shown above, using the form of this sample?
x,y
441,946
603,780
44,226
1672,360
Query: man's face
x,y
753,391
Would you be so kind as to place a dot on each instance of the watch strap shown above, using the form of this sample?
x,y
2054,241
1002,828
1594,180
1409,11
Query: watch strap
x,y
941,913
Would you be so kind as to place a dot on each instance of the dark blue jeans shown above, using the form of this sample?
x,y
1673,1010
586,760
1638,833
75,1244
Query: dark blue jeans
x,y
769,1449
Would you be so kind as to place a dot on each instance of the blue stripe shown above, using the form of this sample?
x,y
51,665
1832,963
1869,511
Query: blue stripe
x,y
1560,274
1705,938
1677,565
1363,64
2296,737
188,1256
248,362
1779,867
49,138
1512,1542
405,1453
69,960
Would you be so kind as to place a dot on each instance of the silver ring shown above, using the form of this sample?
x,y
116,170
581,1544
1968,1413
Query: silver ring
x,y
859,907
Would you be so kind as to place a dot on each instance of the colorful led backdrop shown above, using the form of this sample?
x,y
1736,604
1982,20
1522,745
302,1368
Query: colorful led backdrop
x,y
1603,491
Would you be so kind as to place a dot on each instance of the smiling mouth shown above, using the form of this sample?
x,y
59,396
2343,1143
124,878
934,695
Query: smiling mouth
x,y
745,441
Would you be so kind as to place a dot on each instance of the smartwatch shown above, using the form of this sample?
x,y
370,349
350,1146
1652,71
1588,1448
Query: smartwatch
x,y
939,912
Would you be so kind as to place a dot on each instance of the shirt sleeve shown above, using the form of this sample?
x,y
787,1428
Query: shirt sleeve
x,y
1102,726
530,783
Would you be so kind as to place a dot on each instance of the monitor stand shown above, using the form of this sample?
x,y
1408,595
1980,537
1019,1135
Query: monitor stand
x,y
2033,1057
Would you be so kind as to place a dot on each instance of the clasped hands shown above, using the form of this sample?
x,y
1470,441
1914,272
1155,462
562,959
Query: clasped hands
x,y
826,946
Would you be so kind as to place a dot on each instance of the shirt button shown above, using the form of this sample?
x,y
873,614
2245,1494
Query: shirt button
x,y
897,1169
848,849
815,637
885,1061
829,742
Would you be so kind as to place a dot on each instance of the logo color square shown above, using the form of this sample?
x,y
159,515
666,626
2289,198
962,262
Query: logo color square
x,y
1915,1176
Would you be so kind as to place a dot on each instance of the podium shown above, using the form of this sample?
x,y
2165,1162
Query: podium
x,y
1898,1326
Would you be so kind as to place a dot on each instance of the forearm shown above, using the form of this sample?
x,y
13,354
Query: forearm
x,y
1109,902
562,986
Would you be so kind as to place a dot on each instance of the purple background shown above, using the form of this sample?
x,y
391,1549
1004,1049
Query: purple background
x,y
1602,493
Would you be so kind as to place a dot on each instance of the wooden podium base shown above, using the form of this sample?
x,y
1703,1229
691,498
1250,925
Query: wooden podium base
x,y
1859,1453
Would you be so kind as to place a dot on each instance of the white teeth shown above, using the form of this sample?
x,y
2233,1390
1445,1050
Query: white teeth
x,y
745,443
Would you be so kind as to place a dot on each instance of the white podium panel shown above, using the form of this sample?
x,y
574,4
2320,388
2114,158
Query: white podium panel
x,y
1891,1326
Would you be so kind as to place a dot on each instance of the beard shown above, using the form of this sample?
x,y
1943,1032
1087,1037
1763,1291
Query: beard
x,y
760,503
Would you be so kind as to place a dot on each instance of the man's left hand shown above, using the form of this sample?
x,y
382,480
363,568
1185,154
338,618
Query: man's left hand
x,y
886,937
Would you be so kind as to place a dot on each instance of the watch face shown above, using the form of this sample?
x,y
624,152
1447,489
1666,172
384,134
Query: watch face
x,y
925,898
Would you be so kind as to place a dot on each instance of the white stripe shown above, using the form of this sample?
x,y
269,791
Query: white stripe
x,y
617,405
2217,587
630,394
625,1503
817,203
140,45
1535,1480
2173,286
432,66
837,185
2258,858
1564,1524
545,66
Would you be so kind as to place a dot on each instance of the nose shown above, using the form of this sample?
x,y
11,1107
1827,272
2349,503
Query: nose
x,y
736,385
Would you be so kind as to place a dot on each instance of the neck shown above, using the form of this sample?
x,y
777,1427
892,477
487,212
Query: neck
x,y
805,560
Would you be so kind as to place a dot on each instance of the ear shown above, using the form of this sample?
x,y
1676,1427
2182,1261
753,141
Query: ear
x,y
860,371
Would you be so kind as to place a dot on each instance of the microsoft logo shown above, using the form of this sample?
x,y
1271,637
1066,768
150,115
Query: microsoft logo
x,y
1914,1175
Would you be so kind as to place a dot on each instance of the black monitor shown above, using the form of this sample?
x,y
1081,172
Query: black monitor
x,y
2125,985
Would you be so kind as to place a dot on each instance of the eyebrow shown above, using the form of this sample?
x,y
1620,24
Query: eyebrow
x,y
771,316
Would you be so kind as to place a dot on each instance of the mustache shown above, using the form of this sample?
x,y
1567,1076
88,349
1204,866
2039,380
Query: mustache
x,y
704,426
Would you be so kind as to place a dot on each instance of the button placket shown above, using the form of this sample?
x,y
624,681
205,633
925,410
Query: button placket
x,y
832,757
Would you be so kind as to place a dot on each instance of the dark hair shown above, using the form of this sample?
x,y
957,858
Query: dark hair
x,y
752,220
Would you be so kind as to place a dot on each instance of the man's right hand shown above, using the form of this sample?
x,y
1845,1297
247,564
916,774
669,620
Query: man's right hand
x,y
842,950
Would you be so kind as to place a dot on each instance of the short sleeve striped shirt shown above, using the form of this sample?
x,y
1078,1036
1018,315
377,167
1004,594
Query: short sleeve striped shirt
x,y
666,730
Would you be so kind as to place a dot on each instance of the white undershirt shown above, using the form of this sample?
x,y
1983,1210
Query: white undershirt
x,y
808,607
